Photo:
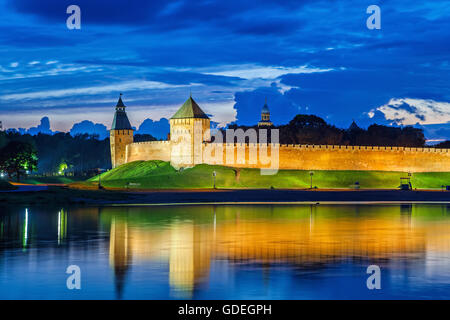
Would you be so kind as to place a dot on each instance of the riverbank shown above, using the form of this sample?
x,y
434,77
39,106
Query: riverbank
x,y
59,195
50,195
5,185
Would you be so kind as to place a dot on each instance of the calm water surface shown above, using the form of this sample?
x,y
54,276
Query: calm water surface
x,y
226,251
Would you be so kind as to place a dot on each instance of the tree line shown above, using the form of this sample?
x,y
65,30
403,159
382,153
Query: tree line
x,y
59,153
77,155
313,130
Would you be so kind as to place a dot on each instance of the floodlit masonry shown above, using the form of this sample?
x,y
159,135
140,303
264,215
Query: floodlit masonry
x,y
189,143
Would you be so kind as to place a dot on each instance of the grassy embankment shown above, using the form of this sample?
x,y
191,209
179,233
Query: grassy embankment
x,y
160,175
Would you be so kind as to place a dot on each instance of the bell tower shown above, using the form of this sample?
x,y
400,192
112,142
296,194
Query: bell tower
x,y
121,135
265,117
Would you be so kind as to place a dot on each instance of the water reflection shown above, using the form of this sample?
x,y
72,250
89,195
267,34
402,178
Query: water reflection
x,y
190,243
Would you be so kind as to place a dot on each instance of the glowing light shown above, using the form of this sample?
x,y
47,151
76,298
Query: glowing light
x,y
59,227
25,229
62,225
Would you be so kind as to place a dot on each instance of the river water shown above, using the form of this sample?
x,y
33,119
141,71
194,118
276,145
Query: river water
x,y
319,251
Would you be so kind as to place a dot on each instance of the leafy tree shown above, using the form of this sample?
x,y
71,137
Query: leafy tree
x,y
144,138
18,157
313,130
443,145
310,129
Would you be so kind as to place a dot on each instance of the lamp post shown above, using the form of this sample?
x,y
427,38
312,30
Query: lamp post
x,y
100,181
214,178
311,175
409,176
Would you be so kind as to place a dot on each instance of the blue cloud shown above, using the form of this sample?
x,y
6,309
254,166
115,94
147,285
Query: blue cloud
x,y
43,127
175,43
88,127
159,129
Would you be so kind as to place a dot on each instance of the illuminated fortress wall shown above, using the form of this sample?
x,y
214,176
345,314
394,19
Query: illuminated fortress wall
x,y
327,157
299,157
152,150
364,158
189,144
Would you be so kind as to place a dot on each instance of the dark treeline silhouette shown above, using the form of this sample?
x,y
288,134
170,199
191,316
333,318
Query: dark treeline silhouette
x,y
310,129
143,137
443,145
63,152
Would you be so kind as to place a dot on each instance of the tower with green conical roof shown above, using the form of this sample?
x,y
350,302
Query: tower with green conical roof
x,y
121,135
189,128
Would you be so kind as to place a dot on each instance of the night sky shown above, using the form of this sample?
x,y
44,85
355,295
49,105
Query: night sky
x,y
304,56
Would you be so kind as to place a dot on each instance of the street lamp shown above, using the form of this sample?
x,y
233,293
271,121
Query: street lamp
x,y
311,173
214,177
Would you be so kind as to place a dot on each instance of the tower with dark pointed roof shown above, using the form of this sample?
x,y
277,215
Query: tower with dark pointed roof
x,y
189,128
265,117
121,134
354,126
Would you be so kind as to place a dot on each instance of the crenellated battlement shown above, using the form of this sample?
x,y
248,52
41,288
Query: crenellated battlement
x,y
337,147
164,142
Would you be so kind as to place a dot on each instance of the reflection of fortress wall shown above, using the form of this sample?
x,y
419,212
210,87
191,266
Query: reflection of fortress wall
x,y
189,255
190,238
153,150
319,241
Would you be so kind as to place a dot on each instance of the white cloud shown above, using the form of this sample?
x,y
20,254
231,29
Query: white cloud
x,y
283,88
52,62
124,86
14,64
222,111
32,63
407,111
250,72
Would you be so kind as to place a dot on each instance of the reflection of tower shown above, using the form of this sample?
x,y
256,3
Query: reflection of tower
x,y
189,256
119,253
406,214
121,135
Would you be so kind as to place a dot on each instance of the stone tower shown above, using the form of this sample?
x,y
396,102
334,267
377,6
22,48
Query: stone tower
x,y
265,117
189,128
121,135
